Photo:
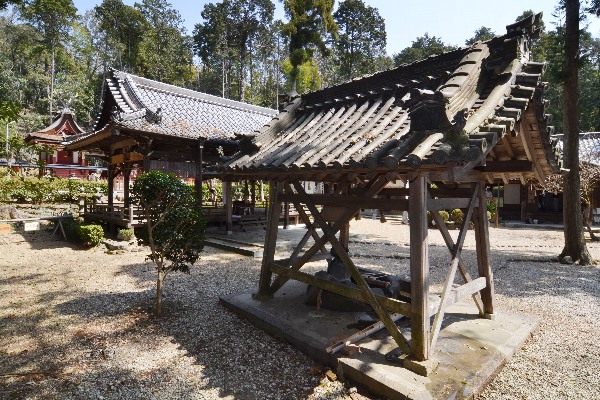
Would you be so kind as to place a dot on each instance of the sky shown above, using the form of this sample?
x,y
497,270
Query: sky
x,y
453,21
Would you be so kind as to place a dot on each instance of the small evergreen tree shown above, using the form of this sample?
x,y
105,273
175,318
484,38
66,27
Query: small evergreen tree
x,y
174,225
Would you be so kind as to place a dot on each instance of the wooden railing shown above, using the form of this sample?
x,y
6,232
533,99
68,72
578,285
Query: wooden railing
x,y
115,214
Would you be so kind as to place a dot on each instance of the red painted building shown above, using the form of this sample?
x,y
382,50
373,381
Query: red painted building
x,y
58,161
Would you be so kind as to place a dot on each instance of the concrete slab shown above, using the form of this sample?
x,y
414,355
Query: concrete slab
x,y
470,350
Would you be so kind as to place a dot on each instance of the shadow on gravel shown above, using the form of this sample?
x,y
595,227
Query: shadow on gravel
x,y
106,333
223,348
43,240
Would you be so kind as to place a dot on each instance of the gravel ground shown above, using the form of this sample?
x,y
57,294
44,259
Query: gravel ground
x,y
77,323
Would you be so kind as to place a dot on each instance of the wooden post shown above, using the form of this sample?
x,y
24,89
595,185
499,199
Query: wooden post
x,y
345,230
111,183
228,207
253,195
286,215
482,242
262,192
126,180
419,268
270,240
199,171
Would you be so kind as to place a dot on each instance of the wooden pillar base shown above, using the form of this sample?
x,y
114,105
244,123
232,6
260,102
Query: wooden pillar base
x,y
423,368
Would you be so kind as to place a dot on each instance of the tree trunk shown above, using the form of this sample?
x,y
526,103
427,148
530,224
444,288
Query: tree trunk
x,y
575,246
52,86
159,291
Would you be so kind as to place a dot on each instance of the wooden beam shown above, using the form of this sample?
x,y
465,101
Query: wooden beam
x,y
458,174
347,201
122,144
531,155
388,303
508,147
111,184
419,268
342,202
126,157
506,166
446,204
199,171
468,289
229,207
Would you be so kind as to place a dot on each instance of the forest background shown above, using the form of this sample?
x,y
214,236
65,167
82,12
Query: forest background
x,y
52,56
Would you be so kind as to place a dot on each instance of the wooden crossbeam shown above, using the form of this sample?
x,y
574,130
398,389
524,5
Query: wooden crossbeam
x,y
468,289
390,304
378,203
456,251
126,157
367,293
516,166
305,218
309,232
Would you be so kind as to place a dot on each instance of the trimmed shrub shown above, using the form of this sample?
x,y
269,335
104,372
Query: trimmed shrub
x,y
71,227
445,216
91,235
126,234
443,213
49,190
457,216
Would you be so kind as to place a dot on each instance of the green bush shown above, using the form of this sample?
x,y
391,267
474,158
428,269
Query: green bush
x,y
91,235
443,213
71,228
126,234
445,216
429,219
49,190
457,216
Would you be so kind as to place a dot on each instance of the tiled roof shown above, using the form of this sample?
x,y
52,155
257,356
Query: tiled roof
x,y
589,146
62,126
140,104
447,108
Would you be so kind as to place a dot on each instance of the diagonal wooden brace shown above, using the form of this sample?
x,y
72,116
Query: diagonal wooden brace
x,y
370,190
456,251
439,221
368,294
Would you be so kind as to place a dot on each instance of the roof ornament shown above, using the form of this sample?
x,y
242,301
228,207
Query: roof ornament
x,y
116,114
154,117
427,110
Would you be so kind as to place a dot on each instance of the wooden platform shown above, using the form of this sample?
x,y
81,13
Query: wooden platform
x,y
470,351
